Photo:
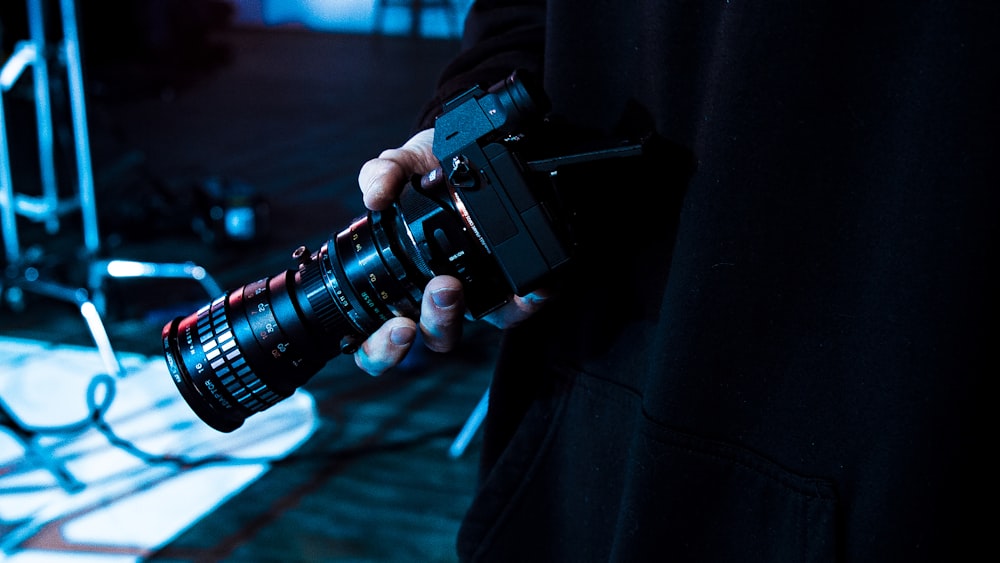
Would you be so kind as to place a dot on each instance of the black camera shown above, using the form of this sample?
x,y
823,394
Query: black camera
x,y
491,216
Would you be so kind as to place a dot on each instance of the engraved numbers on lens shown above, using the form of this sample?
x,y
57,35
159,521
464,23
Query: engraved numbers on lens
x,y
269,329
278,350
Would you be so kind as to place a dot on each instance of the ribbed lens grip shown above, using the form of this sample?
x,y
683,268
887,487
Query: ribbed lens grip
x,y
227,362
324,304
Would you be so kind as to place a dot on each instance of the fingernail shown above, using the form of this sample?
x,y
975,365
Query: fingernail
x,y
445,298
402,335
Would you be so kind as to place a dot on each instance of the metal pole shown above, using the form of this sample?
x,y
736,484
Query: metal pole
x,y
43,112
74,69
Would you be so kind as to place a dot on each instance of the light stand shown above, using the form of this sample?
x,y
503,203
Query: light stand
x,y
24,268
23,273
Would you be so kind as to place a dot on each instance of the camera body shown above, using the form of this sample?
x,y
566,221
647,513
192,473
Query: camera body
x,y
512,236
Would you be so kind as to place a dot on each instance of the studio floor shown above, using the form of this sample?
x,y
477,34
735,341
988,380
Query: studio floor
x,y
290,115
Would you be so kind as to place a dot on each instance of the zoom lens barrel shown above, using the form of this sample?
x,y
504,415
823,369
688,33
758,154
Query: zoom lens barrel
x,y
243,353
247,350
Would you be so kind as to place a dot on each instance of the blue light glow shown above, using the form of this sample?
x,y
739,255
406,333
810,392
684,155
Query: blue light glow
x,y
350,16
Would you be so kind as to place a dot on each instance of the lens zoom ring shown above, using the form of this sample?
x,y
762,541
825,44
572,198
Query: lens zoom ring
x,y
227,361
323,305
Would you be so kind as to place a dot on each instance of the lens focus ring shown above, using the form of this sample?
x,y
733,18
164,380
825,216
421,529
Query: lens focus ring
x,y
224,356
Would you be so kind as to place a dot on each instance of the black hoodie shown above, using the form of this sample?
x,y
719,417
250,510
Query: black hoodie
x,y
772,343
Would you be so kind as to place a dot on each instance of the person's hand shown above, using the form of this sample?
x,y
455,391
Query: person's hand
x,y
381,179
442,310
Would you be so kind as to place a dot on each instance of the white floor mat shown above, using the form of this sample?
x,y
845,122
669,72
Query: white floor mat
x,y
114,504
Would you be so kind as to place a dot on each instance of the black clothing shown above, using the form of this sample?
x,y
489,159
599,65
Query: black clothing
x,y
773,346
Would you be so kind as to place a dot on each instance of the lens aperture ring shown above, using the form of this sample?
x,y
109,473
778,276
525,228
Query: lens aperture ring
x,y
223,354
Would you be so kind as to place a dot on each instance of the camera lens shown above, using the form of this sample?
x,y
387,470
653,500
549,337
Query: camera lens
x,y
247,350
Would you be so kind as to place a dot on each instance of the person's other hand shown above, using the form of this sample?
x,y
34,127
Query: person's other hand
x,y
442,311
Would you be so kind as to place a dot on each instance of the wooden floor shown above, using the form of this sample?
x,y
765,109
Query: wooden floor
x,y
293,115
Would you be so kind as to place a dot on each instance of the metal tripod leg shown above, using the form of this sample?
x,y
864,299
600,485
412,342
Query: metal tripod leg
x,y
32,282
119,269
